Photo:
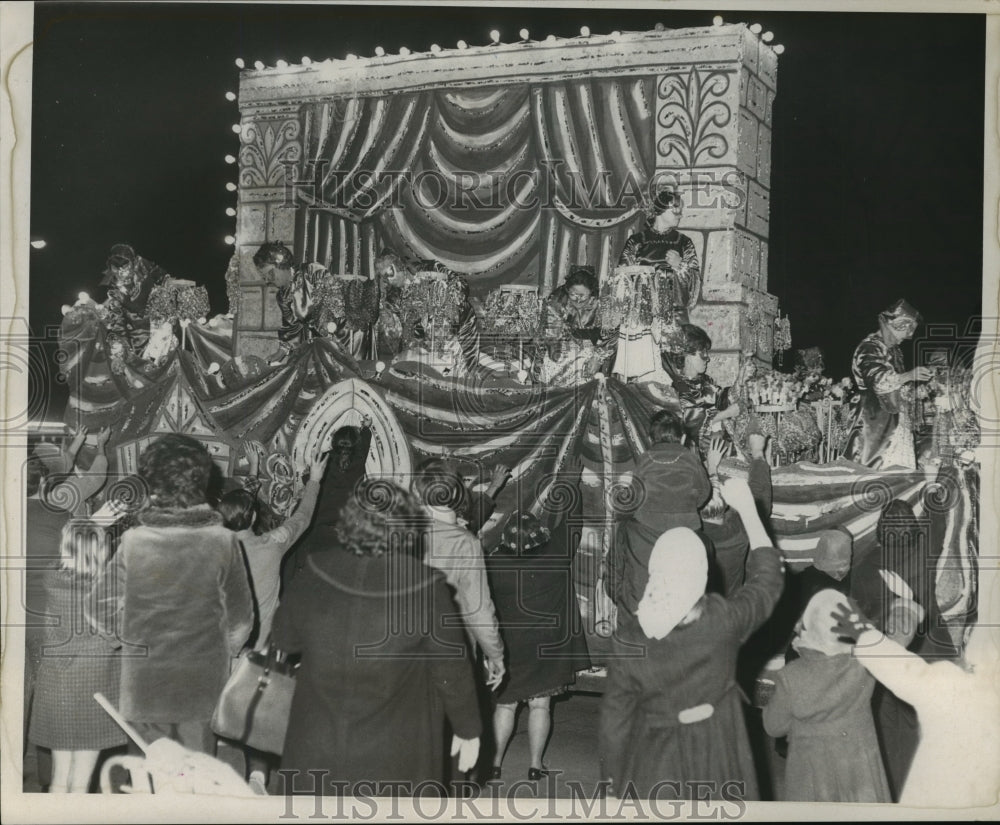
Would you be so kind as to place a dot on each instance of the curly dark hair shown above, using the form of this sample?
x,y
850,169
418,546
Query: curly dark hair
x,y
583,276
176,469
438,483
382,517
237,509
666,428
273,253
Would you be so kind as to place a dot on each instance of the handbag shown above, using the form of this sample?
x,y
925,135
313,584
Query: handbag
x,y
255,703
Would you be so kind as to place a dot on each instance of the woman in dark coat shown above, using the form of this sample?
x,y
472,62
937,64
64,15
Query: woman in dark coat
x,y
532,588
671,724
383,657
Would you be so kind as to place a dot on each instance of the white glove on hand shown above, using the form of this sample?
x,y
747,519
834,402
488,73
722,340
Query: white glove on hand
x,y
467,751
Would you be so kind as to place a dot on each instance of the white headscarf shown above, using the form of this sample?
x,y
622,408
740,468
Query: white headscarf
x,y
678,575
815,630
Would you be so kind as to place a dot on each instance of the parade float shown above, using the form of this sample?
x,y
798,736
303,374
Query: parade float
x,y
544,149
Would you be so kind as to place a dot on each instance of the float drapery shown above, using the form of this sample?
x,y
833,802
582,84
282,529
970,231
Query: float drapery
x,y
506,185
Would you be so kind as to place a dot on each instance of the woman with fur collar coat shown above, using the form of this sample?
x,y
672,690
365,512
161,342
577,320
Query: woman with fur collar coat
x,y
176,598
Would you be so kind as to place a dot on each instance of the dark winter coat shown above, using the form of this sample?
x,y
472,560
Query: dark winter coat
x,y
383,663
823,704
650,732
177,599
539,620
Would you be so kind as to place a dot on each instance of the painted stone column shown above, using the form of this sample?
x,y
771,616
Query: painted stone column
x,y
270,136
713,143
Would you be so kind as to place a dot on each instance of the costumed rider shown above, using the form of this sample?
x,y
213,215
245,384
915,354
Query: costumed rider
x,y
426,315
130,279
676,287
574,345
313,302
881,433
704,405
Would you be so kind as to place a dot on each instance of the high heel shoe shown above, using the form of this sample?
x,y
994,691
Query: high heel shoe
x,y
497,772
534,774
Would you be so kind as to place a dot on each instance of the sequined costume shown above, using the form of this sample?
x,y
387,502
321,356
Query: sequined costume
x,y
301,304
573,345
701,400
650,248
125,309
880,434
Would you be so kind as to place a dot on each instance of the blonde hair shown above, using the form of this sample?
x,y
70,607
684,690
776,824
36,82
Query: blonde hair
x,y
84,548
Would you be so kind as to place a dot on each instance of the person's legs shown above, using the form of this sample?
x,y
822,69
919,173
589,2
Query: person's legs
x,y
61,763
82,770
539,727
503,729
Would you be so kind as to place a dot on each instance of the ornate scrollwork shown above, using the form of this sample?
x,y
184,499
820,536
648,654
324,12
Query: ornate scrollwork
x,y
693,111
267,145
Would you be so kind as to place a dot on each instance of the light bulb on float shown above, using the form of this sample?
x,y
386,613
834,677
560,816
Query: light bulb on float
x,y
379,51
306,61
230,239
756,28
495,36
524,34
230,159
239,63
231,212
282,64
779,49
230,96
230,187
767,37
258,66
237,128
462,44
83,298
435,48
717,20
585,31
404,52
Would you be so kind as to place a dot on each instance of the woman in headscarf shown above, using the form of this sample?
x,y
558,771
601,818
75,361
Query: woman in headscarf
x,y
822,702
881,434
671,723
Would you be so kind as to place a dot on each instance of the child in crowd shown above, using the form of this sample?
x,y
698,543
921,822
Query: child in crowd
x,y
75,665
822,703
669,486
177,593
671,723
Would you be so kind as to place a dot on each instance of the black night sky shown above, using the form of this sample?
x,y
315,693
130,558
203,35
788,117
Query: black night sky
x,y
877,143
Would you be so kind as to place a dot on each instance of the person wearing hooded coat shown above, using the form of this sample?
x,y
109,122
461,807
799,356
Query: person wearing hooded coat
x,y
822,702
671,724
